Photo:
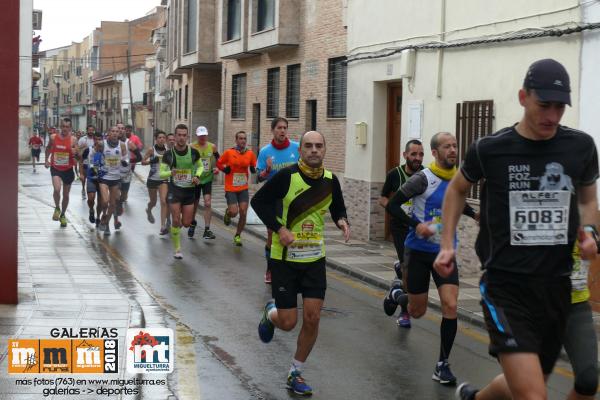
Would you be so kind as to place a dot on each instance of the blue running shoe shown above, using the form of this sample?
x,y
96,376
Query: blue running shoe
x,y
404,320
398,269
266,329
297,384
443,375
389,304
465,391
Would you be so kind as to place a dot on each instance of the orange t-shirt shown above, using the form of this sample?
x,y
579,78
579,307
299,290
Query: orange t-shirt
x,y
237,179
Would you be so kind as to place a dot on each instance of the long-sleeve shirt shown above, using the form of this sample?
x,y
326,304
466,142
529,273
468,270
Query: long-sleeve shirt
x,y
267,202
236,165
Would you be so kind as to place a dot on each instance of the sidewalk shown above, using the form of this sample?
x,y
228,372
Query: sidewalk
x,y
63,283
371,262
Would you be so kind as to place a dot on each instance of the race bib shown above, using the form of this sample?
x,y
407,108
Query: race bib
x,y
182,177
240,179
113,161
579,276
407,208
206,164
61,158
306,245
539,218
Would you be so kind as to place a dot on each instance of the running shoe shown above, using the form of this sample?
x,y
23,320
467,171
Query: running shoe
x,y
106,230
237,240
97,222
34,171
118,225
149,215
403,320
119,208
268,279
442,373
63,221
389,304
465,391
208,234
297,384
164,231
92,217
398,269
266,329
178,255
226,219
192,229
56,215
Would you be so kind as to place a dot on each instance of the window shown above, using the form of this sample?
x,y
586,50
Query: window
x,y
238,96
473,120
191,15
185,104
272,92
292,95
234,19
152,78
336,88
265,15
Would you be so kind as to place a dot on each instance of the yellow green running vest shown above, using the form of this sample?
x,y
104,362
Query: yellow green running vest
x,y
303,209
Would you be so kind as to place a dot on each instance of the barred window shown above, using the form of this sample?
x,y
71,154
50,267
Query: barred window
x,y
292,98
336,88
273,92
238,96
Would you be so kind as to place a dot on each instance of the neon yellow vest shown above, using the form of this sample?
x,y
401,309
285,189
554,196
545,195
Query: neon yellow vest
x,y
303,210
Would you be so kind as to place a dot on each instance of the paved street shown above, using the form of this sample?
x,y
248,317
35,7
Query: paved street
x,y
213,299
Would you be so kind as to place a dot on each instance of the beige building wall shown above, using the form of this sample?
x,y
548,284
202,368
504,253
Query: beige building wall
x,y
321,36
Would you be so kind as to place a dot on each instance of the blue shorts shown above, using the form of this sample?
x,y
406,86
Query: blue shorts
x,y
92,185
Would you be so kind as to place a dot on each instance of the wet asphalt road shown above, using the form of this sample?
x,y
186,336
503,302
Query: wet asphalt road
x,y
215,294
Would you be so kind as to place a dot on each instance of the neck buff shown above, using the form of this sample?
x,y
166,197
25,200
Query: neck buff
x,y
111,143
242,150
281,146
445,174
313,173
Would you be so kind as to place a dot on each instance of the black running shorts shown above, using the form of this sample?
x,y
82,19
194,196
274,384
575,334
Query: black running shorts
x,y
183,196
525,314
110,182
203,188
291,278
420,269
67,177
36,153
237,197
154,184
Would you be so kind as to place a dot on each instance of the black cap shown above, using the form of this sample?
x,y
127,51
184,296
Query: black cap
x,y
550,80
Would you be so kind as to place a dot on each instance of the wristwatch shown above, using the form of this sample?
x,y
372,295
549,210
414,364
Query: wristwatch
x,y
592,229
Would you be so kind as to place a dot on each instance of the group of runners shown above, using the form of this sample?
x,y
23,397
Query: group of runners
x,y
537,235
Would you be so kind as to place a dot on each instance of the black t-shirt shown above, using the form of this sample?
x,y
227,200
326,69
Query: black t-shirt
x,y
529,205
395,178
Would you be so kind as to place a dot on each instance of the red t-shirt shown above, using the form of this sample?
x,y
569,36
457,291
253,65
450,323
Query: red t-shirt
x,y
35,142
138,143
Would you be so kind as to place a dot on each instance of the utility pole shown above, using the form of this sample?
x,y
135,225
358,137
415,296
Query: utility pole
x,y
130,90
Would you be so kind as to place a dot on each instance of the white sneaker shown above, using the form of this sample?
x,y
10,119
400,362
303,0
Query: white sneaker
x,y
178,255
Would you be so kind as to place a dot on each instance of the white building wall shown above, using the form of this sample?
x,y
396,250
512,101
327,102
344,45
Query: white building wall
x,y
25,83
137,86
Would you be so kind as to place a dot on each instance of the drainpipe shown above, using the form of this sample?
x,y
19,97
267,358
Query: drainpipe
x,y
441,51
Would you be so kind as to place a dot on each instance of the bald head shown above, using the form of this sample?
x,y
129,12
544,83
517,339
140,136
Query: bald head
x,y
312,148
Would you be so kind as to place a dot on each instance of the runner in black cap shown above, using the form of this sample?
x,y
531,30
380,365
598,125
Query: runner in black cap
x,y
537,199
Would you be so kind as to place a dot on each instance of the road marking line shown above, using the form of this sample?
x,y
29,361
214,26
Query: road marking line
x,y
185,356
465,330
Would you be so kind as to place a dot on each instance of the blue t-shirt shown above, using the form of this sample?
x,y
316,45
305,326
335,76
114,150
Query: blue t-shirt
x,y
281,158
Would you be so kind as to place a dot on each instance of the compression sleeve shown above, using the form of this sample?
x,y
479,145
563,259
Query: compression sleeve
x,y
265,200
337,207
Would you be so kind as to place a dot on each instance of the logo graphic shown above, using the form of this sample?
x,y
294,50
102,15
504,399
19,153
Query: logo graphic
x,y
55,356
150,350
23,356
554,178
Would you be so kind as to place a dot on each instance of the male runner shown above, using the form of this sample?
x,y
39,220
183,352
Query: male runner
x,y
157,187
280,153
209,156
114,157
396,177
533,188
305,191
126,172
170,140
60,158
92,183
183,166
35,144
426,189
85,142
235,163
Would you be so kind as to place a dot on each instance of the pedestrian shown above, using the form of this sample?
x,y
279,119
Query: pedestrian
x,y
426,189
396,177
209,156
35,144
304,192
183,167
537,198
280,153
235,163
157,186
61,154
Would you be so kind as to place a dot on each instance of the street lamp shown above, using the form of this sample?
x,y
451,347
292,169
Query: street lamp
x,y
57,79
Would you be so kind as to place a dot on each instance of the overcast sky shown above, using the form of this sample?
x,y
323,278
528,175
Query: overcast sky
x,y
66,21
